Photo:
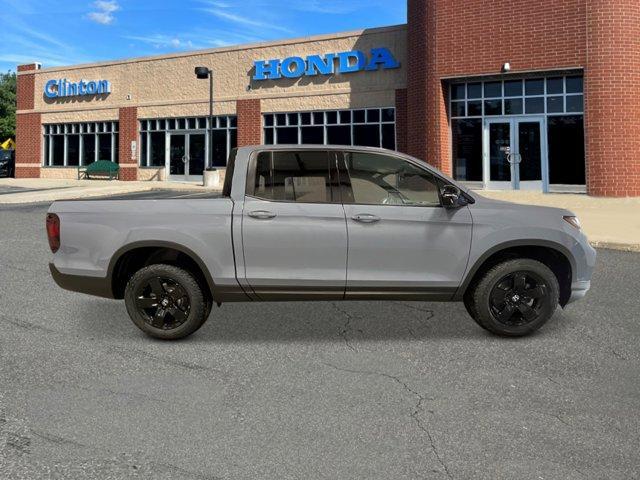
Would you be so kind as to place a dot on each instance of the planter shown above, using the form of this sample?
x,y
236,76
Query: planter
x,y
214,177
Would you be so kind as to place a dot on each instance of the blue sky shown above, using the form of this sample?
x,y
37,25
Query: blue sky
x,y
70,32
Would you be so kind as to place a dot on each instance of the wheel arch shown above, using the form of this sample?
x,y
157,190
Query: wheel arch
x,y
554,255
131,257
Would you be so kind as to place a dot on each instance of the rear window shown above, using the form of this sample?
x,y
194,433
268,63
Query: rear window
x,y
302,177
228,178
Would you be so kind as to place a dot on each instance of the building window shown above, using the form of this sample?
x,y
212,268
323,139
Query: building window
x,y
559,99
372,127
566,150
466,136
154,134
76,144
549,95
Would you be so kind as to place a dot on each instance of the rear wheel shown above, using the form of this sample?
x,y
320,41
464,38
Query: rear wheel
x,y
165,302
515,297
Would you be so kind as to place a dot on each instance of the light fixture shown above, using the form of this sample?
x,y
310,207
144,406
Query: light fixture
x,y
203,73
506,67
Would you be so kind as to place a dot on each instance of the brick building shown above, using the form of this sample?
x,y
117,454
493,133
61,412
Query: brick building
x,y
499,94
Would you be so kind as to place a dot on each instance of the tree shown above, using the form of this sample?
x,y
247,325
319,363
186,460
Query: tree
x,y
7,106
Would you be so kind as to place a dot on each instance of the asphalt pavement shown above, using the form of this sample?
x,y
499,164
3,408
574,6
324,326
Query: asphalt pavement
x,y
366,390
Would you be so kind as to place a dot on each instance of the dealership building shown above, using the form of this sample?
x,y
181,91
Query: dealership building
x,y
507,94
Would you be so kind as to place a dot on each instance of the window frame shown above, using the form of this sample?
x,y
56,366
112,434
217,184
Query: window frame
x,y
270,124
167,125
343,170
251,175
340,169
463,101
81,129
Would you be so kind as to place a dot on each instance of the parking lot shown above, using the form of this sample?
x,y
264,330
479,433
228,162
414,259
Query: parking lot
x,y
367,390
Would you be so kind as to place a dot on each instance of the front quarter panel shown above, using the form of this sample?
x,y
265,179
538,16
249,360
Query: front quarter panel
x,y
497,226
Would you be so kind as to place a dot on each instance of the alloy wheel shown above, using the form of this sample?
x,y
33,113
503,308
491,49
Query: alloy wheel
x,y
518,298
163,303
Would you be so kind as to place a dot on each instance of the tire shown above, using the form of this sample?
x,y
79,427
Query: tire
x,y
515,298
470,307
165,302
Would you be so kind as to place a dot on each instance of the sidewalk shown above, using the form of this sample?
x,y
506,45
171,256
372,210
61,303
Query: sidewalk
x,y
608,222
34,190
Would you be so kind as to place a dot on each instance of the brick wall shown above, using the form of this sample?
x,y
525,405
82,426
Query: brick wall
x,y
612,86
249,122
472,37
128,132
28,126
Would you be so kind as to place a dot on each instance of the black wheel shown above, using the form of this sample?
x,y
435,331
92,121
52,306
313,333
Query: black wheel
x,y
515,297
165,302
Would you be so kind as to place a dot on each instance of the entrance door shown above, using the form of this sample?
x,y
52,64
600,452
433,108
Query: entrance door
x,y
177,156
499,166
187,156
514,154
531,169
196,157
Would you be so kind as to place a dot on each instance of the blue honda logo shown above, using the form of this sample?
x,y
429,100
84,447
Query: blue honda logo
x,y
328,64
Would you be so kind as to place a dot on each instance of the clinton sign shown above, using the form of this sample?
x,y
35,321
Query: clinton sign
x,y
328,64
65,88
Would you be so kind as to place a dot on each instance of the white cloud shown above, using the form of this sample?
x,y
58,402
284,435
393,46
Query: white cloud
x,y
327,6
104,10
246,21
164,41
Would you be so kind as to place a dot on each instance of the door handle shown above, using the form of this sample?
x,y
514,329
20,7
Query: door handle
x,y
262,214
365,218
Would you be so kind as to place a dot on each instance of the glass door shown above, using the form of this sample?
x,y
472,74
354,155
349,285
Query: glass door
x,y
177,160
529,154
514,154
187,156
498,155
196,157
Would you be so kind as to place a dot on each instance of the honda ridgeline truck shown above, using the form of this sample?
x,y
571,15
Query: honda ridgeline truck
x,y
322,223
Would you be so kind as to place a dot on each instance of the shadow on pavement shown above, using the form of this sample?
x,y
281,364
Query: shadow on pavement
x,y
310,322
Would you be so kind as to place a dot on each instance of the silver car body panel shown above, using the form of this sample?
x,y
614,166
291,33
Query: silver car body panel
x,y
411,250
316,251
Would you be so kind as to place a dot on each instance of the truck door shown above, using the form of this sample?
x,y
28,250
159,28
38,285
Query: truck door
x,y
402,242
294,233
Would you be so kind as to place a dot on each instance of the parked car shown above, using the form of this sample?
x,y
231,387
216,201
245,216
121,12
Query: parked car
x,y
322,223
7,163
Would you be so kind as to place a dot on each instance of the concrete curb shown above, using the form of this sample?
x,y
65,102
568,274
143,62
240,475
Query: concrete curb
x,y
625,247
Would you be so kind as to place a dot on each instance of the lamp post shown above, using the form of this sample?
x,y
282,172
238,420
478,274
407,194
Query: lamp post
x,y
203,73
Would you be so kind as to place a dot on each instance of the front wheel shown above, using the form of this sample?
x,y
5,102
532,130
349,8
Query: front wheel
x,y
165,302
516,297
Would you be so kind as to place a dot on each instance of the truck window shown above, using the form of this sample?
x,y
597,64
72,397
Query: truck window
x,y
294,176
376,179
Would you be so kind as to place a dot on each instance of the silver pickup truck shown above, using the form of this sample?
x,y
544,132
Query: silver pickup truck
x,y
322,223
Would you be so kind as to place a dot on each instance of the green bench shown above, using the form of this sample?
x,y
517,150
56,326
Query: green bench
x,y
101,168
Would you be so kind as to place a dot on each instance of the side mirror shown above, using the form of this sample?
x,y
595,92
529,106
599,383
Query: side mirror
x,y
450,196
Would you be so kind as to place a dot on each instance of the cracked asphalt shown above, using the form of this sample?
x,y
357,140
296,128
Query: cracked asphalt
x,y
375,390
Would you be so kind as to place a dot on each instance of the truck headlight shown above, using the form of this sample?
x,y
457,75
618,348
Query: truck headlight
x,y
573,221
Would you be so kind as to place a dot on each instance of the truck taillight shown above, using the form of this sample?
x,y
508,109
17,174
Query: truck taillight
x,y
53,231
